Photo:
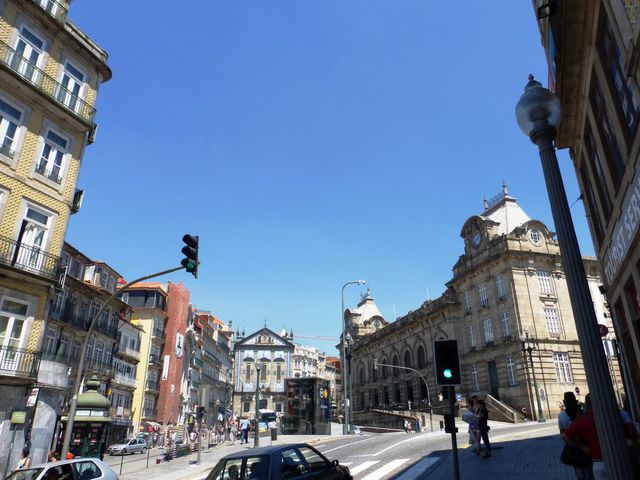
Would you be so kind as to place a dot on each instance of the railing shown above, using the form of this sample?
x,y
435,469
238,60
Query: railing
x,y
19,362
198,362
45,83
74,319
130,352
119,412
124,380
54,8
158,332
195,384
150,413
5,150
52,173
102,368
108,330
153,385
153,358
27,258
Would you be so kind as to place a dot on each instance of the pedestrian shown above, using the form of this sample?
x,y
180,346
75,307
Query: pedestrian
x,y
483,427
51,456
244,431
233,431
583,435
406,426
472,419
563,419
418,426
25,461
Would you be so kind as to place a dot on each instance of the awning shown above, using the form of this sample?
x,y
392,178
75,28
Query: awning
x,y
153,424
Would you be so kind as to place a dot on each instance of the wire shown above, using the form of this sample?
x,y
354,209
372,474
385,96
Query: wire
x,y
577,199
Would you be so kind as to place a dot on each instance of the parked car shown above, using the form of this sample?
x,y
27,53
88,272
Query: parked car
x,y
296,461
76,469
129,445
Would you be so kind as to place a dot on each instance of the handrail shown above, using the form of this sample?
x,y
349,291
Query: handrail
x,y
54,8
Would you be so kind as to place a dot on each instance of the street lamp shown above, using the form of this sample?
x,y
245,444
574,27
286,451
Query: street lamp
x,y
376,365
529,348
538,114
345,400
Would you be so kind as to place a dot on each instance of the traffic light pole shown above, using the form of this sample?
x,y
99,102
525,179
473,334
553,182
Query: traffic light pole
x,y
83,352
454,442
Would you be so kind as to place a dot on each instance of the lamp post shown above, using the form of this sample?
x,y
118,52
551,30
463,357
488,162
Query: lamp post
x,y
376,365
256,442
345,376
538,113
529,348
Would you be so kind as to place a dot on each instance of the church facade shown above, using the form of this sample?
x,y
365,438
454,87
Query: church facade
x,y
262,360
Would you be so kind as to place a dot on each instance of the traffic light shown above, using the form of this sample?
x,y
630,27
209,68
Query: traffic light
x,y
199,413
190,251
447,362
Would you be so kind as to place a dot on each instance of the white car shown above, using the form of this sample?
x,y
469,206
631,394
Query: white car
x,y
76,469
130,445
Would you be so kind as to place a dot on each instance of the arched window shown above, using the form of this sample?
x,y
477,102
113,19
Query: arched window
x,y
361,375
374,372
407,359
384,369
396,362
422,357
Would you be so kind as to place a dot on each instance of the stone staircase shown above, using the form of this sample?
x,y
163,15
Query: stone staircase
x,y
501,412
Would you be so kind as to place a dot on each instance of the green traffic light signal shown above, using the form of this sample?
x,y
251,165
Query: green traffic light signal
x,y
447,373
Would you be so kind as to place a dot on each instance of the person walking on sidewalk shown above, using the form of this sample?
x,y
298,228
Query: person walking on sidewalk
x,y
483,417
244,431
564,419
583,434
233,431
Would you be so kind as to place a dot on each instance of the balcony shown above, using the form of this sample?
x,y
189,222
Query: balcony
x,y
129,353
70,318
108,330
101,368
120,412
124,380
45,84
198,362
19,363
28,259
159,333
195,384
153,385
54,8
155,359
150,413
52,173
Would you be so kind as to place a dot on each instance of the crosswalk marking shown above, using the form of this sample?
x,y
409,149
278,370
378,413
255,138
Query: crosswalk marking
x,y
416,470
363,466
385,470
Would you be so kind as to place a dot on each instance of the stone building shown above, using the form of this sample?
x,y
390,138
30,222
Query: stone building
x,y
508,292
592,50
272,354
307,361
50,73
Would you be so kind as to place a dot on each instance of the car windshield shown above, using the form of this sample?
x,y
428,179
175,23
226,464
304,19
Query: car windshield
x,y
28,474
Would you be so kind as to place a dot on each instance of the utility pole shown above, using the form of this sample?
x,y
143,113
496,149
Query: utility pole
x,y
256,442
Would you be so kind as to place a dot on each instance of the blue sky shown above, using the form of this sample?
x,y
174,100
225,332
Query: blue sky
x,y
308,143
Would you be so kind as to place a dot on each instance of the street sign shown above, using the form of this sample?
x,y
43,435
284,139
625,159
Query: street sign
x,y
18,417
458,397
578,390
604,330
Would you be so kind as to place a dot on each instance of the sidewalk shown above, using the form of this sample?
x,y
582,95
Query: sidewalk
x,y
533,455
184,468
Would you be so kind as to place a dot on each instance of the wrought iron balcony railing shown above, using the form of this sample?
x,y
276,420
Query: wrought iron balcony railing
x,y
153,385
28,258
45,83
154,358
54,8
19,362
158,332
52,173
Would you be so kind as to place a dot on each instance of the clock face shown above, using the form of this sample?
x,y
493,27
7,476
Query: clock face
x,y
476,239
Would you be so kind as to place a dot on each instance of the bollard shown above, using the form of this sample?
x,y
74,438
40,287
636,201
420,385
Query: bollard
x,y
121,462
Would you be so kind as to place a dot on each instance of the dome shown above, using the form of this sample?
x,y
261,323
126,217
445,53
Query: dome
x,y
91,399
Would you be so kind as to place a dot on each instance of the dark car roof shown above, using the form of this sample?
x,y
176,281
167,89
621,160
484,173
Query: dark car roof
x,y
264,451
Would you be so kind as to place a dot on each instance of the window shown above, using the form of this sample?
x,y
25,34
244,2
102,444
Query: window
x,y
292,465
53,155
488,330
597,169
278,373
563,368
615,161
314,461
374,372
546,282
535,236
511,371
361,375
472,337
553,322
407,359
33,233
10,119
467,301
500,287
422,357
506,331
482,294
627,105
474,378
50,341
593,211
247,375
396,363
13,315
27,55
263,372
75,350
71,87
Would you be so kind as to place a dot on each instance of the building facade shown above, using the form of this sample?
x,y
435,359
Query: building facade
x,y
50,72
307,361
591,48
508,293
272,354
